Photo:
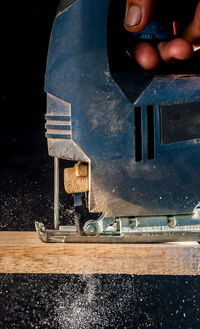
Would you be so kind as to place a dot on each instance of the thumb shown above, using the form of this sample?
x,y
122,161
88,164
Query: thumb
x,y
138,14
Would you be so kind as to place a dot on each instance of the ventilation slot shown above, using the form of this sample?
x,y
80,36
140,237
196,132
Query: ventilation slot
x,y
150,127
138,134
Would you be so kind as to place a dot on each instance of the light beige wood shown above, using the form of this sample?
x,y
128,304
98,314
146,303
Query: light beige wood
x,y
76,178
23,252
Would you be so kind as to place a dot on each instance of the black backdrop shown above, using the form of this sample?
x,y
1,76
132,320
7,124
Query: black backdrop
x,y
26,173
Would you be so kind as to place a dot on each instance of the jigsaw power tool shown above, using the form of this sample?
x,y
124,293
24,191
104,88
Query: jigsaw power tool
x,y
133,136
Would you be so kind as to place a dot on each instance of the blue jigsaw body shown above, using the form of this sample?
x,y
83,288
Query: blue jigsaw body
x,y
143,154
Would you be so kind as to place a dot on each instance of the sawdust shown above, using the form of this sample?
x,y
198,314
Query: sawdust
x,y
94,303
62,301
27,199
20,211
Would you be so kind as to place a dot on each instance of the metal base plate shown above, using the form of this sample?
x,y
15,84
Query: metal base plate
x,y
146,231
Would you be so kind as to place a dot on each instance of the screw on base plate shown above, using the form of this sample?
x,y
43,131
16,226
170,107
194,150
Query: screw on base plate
x,y
91,229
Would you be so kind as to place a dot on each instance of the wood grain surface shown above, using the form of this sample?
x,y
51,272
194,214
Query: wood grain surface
x,y
23,252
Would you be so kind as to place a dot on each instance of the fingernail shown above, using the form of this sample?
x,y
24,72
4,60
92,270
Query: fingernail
x,y
133,16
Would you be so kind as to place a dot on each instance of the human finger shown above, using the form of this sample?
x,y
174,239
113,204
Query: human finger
x,y
138,14
176,49
146,55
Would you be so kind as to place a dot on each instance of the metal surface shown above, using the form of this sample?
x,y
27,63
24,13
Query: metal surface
x,y
56,193
99,226
128,229
148,231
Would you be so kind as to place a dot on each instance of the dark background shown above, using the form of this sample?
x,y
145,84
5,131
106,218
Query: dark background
x,y
26,169
26,174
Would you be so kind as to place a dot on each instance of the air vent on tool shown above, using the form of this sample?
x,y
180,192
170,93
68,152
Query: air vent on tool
x,y
138,134
150,134
144,133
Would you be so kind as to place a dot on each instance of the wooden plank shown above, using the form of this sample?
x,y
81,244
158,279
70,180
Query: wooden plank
x,y
23,252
